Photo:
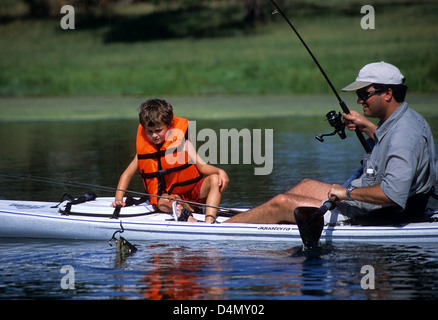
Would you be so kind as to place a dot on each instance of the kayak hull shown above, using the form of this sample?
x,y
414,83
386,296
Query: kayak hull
x,y
45,222
34,219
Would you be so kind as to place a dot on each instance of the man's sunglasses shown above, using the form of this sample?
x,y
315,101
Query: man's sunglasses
x,y
364,95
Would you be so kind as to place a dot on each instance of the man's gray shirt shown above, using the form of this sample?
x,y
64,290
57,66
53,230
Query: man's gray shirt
x,y
403,161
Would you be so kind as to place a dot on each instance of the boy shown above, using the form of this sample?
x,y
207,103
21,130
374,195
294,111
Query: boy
x,y
170,166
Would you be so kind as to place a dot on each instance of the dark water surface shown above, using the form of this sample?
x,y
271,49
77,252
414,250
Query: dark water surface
x,y
97,152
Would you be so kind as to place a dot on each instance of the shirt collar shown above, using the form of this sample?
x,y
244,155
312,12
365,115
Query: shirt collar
x,y
384,127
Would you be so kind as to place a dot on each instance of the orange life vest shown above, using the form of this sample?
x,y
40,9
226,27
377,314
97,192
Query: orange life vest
x,y
167,169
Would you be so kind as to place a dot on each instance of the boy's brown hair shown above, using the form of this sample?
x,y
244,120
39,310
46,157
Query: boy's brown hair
x,y
155,111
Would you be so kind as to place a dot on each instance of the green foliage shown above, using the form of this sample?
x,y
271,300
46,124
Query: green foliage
x,y
211,50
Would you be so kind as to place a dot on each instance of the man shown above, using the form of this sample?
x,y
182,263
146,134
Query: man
x,y
398,174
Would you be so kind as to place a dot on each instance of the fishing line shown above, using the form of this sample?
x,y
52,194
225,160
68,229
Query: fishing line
x,y
344,107
104,188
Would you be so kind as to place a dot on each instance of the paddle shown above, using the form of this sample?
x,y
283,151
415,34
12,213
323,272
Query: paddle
x,y
310,220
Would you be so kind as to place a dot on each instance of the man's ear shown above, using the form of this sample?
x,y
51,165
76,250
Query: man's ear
x,y
389,95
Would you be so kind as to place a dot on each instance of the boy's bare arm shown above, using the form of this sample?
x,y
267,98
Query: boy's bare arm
x,y
124,181
207,169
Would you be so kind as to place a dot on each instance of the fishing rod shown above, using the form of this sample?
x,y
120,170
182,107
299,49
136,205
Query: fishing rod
x,y
341,102
109,189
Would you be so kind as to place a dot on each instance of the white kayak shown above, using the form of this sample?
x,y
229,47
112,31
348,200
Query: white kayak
x,y
92,220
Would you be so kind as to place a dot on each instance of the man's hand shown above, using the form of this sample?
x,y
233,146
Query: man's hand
x,y
355,120
338,191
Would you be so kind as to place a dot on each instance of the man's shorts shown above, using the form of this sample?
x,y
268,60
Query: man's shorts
x,y
348,210
342,212
334,216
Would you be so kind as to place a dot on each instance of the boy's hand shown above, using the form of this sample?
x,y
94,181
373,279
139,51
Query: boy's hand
x,y
118,203
223,180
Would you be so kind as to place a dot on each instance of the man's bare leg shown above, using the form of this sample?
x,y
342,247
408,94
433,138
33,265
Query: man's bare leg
x,y
308,193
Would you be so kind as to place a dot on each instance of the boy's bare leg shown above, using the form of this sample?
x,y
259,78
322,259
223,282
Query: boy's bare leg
x,y
308,193
210,190
165,205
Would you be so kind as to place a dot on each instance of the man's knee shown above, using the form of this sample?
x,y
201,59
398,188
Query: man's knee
x,y
308,181
282,201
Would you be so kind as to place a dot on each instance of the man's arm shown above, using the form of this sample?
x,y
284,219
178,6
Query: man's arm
x,y
372,194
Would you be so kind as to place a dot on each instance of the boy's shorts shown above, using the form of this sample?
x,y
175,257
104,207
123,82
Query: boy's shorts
x,y
194,194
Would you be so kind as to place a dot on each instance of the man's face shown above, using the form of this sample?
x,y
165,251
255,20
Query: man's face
x,y
371,100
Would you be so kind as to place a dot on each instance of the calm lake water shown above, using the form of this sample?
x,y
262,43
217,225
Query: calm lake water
x,y
97,152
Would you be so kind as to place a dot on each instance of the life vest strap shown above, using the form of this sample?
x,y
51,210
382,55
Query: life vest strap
x,y
160,153
163,172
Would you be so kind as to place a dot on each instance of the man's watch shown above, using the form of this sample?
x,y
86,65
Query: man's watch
x,y
349,189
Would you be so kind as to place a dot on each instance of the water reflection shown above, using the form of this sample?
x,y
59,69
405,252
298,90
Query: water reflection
x,y
181,274
265,271
216,270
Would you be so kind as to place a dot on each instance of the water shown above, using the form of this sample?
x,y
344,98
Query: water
x,y
97,153
31,269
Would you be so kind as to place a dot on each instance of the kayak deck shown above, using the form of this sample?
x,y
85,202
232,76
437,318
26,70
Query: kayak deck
x,y
91,220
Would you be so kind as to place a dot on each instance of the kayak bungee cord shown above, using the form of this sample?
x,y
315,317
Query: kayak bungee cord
x,y
341,102
109,189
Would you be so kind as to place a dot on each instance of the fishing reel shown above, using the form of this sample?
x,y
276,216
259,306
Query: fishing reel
x,y
335,120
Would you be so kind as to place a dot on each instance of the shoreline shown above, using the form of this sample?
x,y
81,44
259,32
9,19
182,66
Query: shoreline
x,y
208,107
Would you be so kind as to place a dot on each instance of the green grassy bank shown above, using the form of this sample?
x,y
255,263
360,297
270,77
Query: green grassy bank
x,y
220,107
38,58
